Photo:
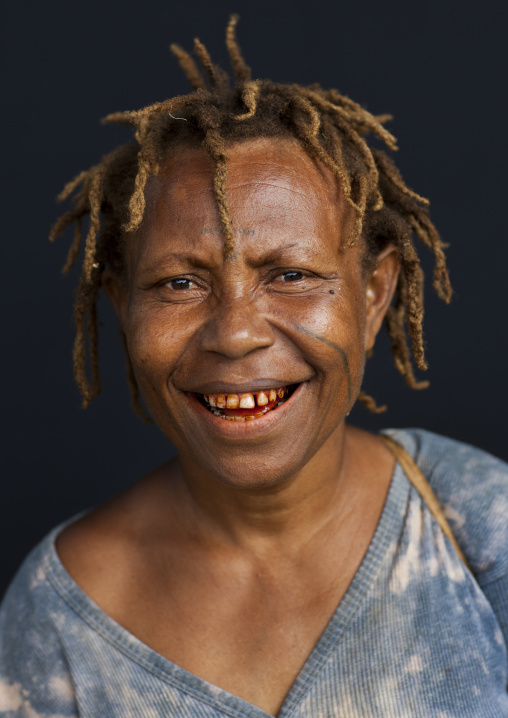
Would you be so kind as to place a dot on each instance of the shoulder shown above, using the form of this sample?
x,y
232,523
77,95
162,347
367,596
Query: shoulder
x,y
31,592
34,676
472,488
109,549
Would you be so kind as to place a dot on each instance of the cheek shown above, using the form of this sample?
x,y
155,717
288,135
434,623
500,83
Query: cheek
x,y
330,333
154,339
343,332
338,322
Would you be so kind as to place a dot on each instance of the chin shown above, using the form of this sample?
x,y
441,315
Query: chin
x,y
254,475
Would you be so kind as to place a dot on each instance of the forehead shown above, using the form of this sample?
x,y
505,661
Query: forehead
x,y
274,190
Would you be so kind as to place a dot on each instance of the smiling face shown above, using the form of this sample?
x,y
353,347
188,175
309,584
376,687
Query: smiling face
x,y
291,310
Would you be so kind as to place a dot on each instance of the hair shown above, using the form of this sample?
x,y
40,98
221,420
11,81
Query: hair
x,y
332,130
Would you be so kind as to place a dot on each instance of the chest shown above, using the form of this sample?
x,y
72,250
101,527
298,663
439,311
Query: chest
x,y
243,622
389,649
249,635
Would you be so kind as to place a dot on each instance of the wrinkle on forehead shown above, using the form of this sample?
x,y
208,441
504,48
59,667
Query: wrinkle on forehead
x,y
272,186
266,161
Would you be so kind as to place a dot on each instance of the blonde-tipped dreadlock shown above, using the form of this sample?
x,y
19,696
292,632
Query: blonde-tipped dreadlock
x,y
329,126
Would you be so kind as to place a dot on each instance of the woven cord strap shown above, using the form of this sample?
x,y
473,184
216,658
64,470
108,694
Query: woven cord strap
x,y
420,483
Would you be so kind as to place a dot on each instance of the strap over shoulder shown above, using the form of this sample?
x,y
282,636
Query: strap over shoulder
x,y
420,483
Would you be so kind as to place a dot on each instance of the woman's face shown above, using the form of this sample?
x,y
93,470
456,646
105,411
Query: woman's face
x,y
291,309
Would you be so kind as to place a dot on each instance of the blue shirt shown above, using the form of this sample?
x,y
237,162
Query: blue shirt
x,y
416,634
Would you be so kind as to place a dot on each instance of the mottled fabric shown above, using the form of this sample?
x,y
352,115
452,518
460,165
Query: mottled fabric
x,y
417,634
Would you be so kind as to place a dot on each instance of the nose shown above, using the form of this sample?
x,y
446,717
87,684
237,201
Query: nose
x,y
236,329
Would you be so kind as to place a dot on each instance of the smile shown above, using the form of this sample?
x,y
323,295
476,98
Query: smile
x,y
246,406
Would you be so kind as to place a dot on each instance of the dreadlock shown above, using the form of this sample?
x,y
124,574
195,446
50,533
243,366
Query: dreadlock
x,y
329,126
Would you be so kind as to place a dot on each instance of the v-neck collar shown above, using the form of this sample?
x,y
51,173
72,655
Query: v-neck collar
x,y
389,524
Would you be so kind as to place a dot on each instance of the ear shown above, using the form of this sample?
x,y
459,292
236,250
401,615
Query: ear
x,y
379,291
117,294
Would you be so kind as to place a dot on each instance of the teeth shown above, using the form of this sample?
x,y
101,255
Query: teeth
x,y
247,401
233,401
261,398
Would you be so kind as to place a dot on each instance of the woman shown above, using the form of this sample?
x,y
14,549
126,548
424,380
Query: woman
x,y
251,244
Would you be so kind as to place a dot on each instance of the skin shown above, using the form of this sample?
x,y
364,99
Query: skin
x,y
274,528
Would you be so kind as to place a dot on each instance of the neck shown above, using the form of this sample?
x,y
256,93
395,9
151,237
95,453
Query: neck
x,y
293,508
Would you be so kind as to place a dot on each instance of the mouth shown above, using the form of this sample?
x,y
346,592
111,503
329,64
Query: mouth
x,y
246,406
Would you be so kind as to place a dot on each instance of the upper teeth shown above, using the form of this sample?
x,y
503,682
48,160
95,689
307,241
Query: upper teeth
x,y
244,401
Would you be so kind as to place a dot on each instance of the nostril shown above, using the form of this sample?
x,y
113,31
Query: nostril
x,y
237,331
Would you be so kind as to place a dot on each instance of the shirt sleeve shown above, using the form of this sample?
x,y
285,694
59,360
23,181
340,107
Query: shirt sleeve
x,y
497,595
35,680
472,488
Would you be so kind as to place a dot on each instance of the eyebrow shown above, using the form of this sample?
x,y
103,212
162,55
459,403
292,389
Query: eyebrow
x,y
182,258
271,257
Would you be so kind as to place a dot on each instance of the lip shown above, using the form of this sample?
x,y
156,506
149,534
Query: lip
x,y
245,429
222,387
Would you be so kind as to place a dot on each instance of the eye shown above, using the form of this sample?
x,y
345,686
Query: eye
x,y
180,283
292,276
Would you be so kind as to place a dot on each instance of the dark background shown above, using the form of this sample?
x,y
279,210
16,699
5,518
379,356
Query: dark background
x,y
439,67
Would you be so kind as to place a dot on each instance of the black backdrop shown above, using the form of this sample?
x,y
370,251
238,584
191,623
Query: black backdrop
x,y
439,67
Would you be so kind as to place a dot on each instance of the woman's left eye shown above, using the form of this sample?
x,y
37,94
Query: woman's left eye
x,y
292,276
180,283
